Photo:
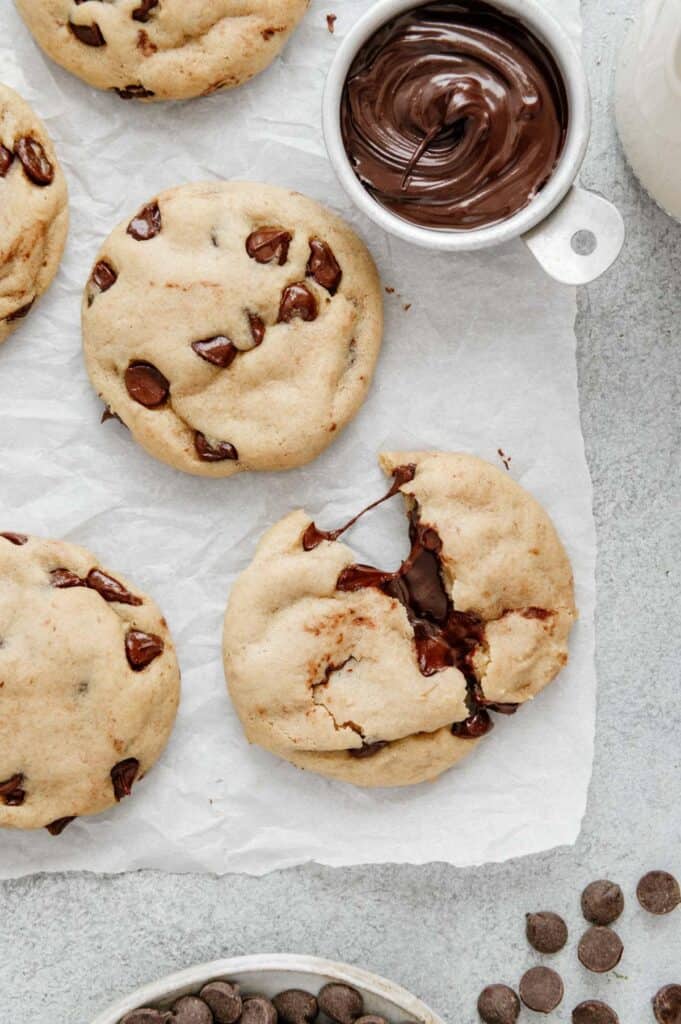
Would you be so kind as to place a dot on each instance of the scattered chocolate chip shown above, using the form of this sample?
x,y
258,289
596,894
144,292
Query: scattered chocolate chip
x,y
223,1000
135,92
15,538
268,244
123,776
295,1006
546,932
110,589
658,892
541,989
367,749
258,1010
90,35
593,1011
331,20
146,385
142,648
257,325
220,451
147,1016
341,1003
297,301
191,1010
600,949
219,351
64,578
143,12
55,828
475,726
20,313
323,266
12,793
498,1004
147,224
34,161
104,276
602,902
667,1005
6,158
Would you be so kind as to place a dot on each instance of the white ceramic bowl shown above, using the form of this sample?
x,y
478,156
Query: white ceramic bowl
x,y
268,974
583,210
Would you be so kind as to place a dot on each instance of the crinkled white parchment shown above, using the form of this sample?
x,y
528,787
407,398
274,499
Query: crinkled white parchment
x,y
484,358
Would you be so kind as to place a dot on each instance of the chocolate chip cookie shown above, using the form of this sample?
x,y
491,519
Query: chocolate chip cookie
x,y
33,210
89,684
162,49
233,326
389,678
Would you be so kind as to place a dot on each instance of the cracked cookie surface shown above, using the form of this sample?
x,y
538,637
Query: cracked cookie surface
x,y
233,326
33,210
388,678
162,49
89,684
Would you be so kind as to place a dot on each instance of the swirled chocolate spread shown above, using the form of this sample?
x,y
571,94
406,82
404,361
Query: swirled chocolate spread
x,y
454,115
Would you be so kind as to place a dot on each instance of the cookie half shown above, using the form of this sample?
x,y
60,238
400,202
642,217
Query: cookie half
x,y
89,684
162,49
233,326
33,210
389,678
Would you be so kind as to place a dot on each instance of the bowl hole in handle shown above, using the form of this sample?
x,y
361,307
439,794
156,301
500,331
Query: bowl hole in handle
x,y
580,239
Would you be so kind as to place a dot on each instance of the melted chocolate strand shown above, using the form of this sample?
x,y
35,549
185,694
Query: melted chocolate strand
x,y
454,115
56,828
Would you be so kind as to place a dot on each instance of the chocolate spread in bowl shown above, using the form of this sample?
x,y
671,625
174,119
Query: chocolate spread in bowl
x,y
454,115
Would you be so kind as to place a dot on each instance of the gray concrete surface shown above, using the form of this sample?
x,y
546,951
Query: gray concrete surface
x,y
70,944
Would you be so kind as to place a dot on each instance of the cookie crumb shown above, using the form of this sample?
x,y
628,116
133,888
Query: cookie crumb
x,y
331,20
506,459
406,307
389,290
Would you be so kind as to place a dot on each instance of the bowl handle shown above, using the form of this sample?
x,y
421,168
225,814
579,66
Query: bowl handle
x,y
580,240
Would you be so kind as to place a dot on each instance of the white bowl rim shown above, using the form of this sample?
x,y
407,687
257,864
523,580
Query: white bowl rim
x,y
193,978
549,31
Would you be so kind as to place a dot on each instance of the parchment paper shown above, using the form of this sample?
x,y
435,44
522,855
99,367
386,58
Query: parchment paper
x,y
483,359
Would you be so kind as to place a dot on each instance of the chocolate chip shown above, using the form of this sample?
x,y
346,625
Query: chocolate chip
x,y
367,749
147,1016
546,932
34,161
142,648
55,828
219,351
220,451
498,1004
6,158
593,1011
12,793
123,776
146,385
294,1006
20,313
110,589
135,92
297,301
667,1005
63,579
341,1003
90,35
224,1001
15,538
658,892
104,276
541,989
147,224
475,726
258,1010
143,12
600,949
323,266
257,325
268,244
191,1010
602,902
